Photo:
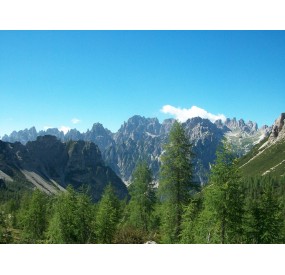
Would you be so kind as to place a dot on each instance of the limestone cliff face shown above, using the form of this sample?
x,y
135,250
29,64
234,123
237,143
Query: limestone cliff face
x,y
278,129
51,165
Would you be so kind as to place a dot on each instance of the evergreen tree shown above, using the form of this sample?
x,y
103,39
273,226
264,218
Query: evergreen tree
x,y
188,224
143,199
221,218
264,222
85,216
71,222
34,218
107,216
175,182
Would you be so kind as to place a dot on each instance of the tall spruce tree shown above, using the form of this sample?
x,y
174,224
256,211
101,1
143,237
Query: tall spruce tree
x,y
221,218
143,198
175,182
107,216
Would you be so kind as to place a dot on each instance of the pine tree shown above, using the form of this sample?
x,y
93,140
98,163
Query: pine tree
x,y
107,216
175,182
143,198
222,215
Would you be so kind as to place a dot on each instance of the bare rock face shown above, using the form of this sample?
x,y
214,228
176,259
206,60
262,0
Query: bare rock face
x,y
278,131
278,126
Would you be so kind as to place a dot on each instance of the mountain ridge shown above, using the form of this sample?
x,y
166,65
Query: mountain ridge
x,y
141,138
51,165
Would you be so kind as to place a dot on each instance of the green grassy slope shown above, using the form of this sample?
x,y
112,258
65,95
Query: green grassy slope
x,y
271,161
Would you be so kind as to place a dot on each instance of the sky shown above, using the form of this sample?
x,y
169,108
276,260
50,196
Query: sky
x,y
72,79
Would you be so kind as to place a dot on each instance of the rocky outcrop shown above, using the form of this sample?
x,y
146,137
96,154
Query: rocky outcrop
x,y
278,130
22,136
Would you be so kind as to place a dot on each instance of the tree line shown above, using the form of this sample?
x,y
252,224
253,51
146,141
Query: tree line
x,y
229,209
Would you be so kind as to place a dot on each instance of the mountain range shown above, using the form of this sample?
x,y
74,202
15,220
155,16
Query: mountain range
x,y
143,138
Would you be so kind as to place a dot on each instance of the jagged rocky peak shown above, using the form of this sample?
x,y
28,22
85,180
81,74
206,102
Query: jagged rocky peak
x,y
98,128
99,135
52,132
73,134
139,122
199,129
253,125
198,121
231,123
234,124
22,136
166,126
219,123
137,128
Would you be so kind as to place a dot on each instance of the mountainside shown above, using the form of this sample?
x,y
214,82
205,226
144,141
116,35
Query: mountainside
x,y
268,157
142,138
51,165
243,136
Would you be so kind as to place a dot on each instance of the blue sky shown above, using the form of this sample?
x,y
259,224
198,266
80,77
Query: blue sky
x,y
48,78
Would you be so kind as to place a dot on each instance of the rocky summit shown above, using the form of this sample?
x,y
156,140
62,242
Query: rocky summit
x,y
142,138
51,165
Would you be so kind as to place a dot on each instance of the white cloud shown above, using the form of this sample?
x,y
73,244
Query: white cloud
x,y
183,114
64,129
75,120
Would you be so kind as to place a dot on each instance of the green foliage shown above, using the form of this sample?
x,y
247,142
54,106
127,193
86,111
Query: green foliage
x,y
189,221
72,218
264,220
33,218
107,216
221,217
143,198
175,182
129,235
5,232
